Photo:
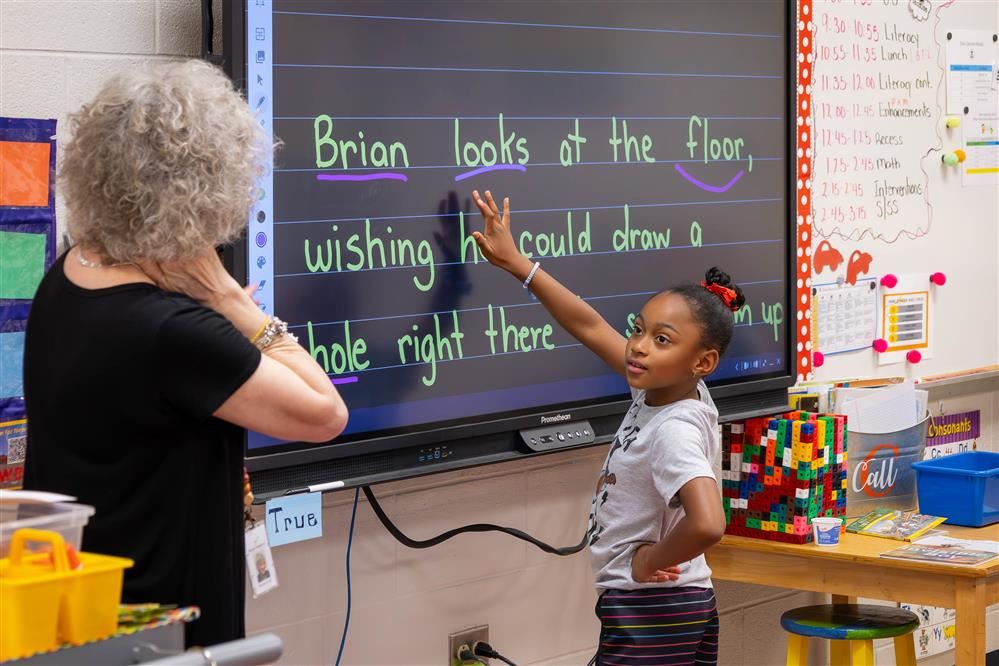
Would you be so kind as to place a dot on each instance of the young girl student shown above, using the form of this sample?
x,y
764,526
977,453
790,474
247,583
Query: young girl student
x,y
657,507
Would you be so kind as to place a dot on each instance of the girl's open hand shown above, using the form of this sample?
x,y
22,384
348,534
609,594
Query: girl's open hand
x,y
642,572
496,244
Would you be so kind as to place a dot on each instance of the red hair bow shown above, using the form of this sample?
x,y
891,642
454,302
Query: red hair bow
x,y
727,295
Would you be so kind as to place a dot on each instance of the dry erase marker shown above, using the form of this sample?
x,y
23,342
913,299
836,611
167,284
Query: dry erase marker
x,y
317,488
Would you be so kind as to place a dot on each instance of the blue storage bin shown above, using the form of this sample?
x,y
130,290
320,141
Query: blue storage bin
x,y
964,488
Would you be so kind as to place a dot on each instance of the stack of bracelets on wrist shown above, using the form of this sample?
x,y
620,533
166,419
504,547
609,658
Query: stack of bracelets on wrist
x,y
272,329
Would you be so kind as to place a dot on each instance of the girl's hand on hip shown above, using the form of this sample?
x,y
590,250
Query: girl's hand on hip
x,y
642,571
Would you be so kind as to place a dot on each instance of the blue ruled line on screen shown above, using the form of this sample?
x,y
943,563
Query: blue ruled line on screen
x,y
500,70
524,24
509,307
486,263
528,211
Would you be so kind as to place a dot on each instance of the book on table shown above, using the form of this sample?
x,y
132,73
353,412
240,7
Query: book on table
x,y
892,524
946,554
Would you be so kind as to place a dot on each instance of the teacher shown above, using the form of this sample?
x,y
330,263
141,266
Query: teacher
x,y
144,358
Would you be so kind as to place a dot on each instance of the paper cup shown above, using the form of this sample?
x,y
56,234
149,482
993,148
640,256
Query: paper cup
x,y
826,531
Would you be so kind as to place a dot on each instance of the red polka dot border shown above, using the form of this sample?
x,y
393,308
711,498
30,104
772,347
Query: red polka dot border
x,y
803,233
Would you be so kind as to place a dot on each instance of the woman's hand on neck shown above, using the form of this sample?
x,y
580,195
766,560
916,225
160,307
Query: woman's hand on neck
x,y
206,281
203,278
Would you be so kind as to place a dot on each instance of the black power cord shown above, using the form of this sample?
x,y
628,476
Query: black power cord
x,y
483,649
477,527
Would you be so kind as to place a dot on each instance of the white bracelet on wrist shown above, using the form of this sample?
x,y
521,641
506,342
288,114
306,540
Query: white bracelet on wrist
x,y
530,276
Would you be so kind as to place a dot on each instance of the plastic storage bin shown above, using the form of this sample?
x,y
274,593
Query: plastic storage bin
x,y
964,488
64,518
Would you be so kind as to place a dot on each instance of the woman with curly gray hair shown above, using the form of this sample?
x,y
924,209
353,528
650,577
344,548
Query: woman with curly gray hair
x,y
144,357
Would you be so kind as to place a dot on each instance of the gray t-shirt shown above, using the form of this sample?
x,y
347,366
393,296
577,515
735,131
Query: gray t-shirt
x,y
655,452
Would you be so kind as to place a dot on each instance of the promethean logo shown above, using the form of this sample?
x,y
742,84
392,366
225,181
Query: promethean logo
x,y
555,419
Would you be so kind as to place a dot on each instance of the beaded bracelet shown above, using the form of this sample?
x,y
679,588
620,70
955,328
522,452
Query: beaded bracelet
x,y
274,329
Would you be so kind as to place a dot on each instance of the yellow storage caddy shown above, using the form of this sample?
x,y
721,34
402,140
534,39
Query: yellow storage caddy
x,y
44,603
90,605
31,593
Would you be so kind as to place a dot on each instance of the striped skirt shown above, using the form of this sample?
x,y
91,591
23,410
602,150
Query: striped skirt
x,y
660,625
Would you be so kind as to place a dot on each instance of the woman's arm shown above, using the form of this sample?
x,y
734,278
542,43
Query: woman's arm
x,y
569,310
289,395
701,527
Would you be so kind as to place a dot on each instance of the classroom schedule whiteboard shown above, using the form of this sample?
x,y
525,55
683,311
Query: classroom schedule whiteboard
x,y
896,86
640,144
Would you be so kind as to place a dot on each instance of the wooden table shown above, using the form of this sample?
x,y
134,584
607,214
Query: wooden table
x,y
854,568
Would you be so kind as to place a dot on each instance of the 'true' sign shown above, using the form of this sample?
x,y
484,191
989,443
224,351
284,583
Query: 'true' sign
x,y
294,518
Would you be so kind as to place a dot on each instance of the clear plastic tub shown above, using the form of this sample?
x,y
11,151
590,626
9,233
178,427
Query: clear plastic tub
x,y
65,518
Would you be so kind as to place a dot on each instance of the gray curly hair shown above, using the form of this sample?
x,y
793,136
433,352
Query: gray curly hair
x,y
162,164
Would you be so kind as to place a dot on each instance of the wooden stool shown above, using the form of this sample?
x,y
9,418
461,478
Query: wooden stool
x,y
858,623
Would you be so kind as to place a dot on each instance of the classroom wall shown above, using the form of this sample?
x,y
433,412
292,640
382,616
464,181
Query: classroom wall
x,y
952,229
53,56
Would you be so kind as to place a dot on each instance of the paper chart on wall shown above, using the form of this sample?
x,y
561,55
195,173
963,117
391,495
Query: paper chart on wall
x,y
875,86
971,70
905,322
845,316
981,145
952,433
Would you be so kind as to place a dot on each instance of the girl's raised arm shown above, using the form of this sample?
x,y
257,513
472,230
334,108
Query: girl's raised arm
x,y
569,310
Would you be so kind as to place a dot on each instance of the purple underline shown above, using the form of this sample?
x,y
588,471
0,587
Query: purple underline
x,y
344,380
495,167
704,186
371,176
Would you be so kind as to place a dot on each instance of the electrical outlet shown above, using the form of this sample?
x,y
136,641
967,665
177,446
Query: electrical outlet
x,y
465,637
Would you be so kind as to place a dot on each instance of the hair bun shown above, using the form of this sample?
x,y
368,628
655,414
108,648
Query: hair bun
x,y
715,275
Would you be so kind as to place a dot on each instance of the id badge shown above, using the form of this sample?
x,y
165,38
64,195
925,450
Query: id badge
x,y
259,562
